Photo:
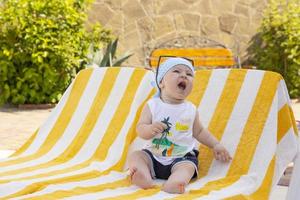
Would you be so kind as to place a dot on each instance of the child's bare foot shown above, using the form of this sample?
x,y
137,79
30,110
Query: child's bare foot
x,y
175,188
140,179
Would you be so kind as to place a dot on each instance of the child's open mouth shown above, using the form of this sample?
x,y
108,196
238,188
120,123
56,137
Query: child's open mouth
x,y
182,85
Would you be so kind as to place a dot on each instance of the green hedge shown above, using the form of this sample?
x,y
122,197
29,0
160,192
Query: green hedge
x,y
41,46
277,45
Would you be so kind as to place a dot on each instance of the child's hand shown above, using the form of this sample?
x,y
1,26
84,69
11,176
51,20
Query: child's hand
x,y
157,127
221,153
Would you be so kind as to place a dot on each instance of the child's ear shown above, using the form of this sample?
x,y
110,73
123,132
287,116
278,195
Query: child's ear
x,y
161,85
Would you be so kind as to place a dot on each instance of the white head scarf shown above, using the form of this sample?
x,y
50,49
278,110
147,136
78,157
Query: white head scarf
x,y
166,66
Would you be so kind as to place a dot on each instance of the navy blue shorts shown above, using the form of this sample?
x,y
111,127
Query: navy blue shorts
x,y
161,171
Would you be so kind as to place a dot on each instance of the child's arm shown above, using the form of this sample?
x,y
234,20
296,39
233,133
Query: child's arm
x,y
206,138
145,128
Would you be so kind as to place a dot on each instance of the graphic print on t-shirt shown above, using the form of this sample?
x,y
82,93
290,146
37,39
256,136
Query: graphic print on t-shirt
x,y
163,145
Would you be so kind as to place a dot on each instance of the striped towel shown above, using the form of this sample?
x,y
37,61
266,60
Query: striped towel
x,y
80,151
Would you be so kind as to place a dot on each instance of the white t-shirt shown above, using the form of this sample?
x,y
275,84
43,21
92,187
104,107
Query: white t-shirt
x,y
179,140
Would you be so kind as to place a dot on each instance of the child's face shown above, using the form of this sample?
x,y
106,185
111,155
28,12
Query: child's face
x,y
177,84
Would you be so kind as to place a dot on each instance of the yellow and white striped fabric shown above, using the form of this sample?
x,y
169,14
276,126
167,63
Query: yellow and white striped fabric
x,y
80,151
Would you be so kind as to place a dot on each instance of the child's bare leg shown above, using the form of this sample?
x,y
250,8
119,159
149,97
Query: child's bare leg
x,y
139,167
180,177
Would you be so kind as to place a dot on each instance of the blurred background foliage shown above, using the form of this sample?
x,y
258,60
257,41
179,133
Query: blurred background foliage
x,y
42,44
276,46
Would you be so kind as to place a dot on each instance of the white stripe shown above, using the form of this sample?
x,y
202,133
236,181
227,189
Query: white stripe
x,y
5,154
238,119
104,118
119,143
287,148
244,184
72,128
212,94
106,193
49,123
283,96
263,156
250,182
235,126
111,177
285,152
160,195
15,186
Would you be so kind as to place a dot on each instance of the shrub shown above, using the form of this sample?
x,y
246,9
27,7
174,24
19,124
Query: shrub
x,y
41,45
276,47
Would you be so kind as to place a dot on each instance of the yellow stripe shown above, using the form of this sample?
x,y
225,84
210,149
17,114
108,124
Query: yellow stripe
x,y
137,194
207,63
120,116
221,116
37,186
62,121
200,84
26,145
210,186
294,121
202,57
192,52
129,138
255,124
214,62
238,197
86,128
82,190
264,190
249,139
284,122
89,123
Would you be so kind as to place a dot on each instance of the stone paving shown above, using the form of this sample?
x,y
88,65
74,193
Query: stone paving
x,y
17,125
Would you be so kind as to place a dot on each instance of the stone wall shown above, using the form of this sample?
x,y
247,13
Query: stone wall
x,y
143,24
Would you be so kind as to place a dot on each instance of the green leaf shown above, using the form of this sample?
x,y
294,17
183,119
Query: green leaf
x,y
114,48
119,61
106,57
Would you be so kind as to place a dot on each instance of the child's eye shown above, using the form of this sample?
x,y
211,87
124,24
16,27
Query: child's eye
x,y
190,74
176,71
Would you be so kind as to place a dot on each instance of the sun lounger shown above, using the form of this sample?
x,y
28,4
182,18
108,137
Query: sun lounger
x,y
204,52
203,58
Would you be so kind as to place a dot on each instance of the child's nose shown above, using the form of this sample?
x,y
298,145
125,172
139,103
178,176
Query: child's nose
x,y
184,75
